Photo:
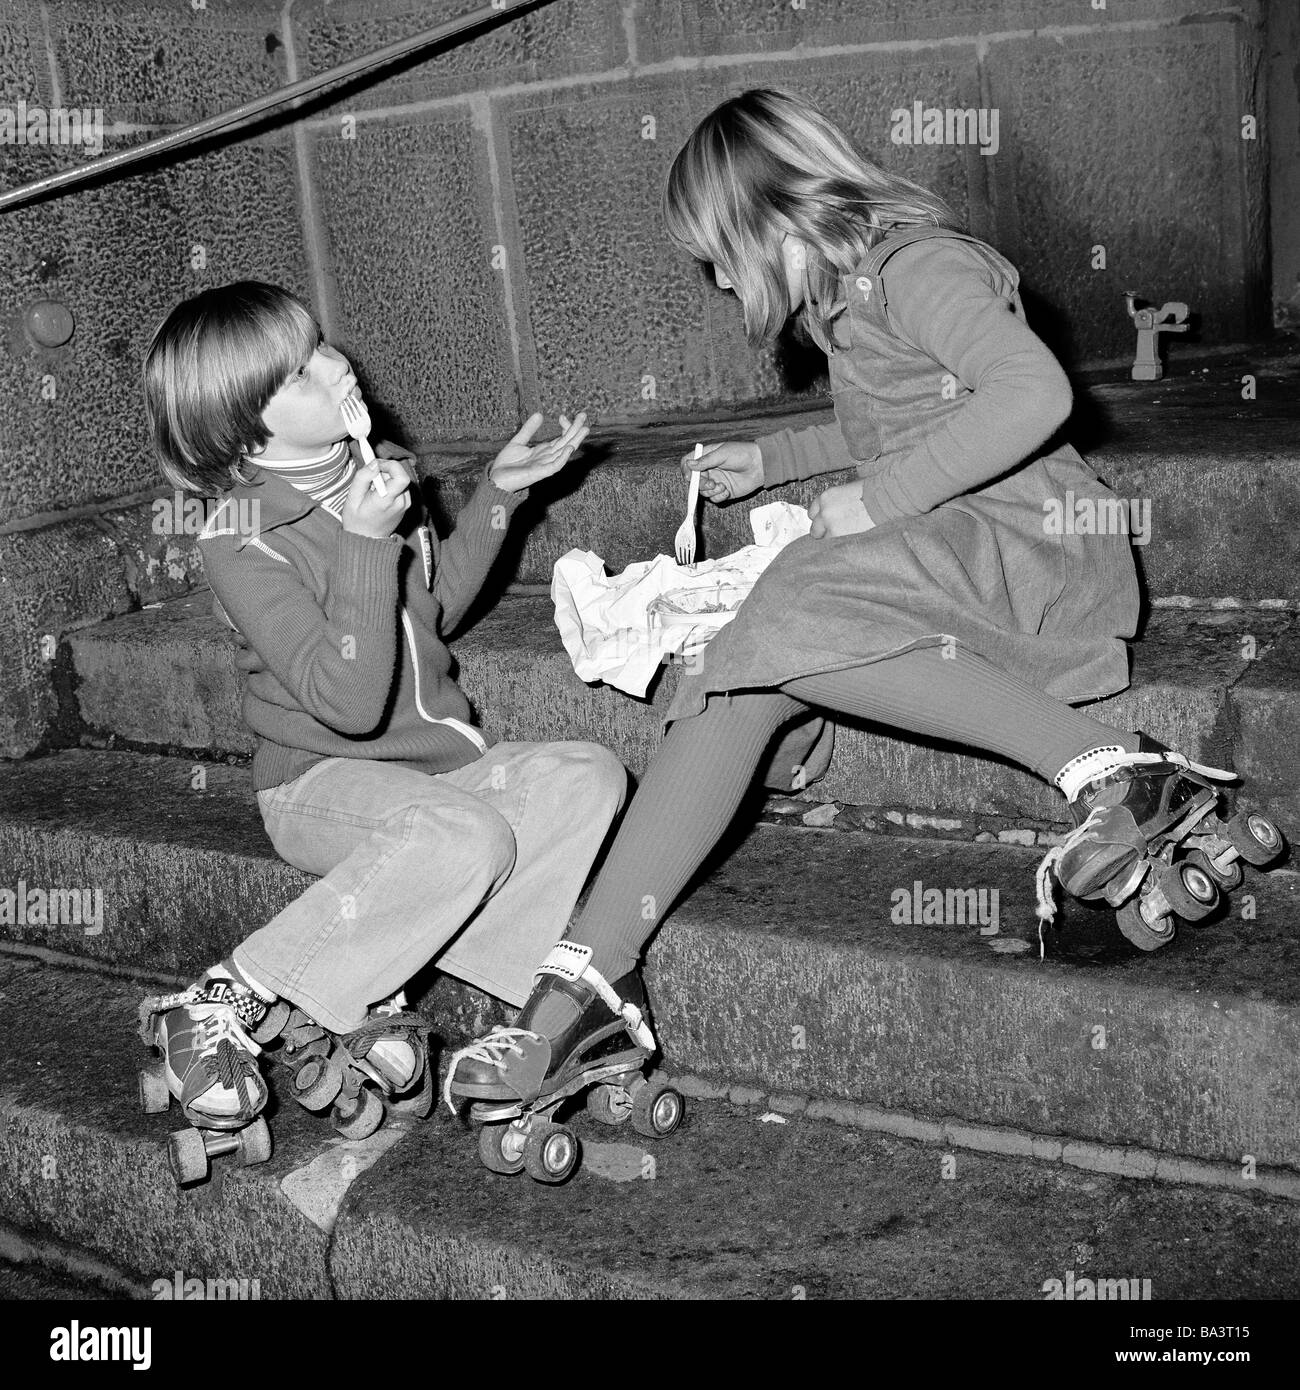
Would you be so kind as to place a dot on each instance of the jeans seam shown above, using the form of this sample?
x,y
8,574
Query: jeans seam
x,y
329,926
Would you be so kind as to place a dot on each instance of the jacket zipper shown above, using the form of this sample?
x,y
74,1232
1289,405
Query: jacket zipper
x,y
458,724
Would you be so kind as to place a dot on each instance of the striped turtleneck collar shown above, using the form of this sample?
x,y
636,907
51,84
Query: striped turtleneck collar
x,y
325,477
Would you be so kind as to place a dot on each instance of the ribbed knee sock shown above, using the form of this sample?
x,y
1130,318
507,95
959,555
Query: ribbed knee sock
x,y
692,789
965,699
684,802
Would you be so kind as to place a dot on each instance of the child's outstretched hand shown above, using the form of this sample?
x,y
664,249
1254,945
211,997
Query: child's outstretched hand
x,y
839,511
520,465
727,470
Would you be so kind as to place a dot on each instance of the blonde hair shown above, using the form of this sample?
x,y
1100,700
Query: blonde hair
x,y
766,164
209,372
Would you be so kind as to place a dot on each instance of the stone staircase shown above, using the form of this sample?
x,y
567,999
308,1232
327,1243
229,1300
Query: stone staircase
x,y
790,978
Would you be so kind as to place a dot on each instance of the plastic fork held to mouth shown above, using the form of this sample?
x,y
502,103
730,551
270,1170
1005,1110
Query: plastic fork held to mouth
x,y
684,541
357,418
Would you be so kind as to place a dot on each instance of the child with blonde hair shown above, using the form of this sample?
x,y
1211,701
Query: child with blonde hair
x,y
932,595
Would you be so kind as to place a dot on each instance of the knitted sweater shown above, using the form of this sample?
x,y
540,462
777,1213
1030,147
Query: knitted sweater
x,y
341,635
941,386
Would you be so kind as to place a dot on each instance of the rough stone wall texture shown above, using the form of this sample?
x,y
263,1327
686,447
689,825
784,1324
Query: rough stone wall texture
x,y
1283,106
119,255
1116,128
479,227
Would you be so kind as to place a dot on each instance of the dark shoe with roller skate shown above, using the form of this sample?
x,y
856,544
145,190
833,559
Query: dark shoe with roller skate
x,y
516,1078
208,1062
383,1065
1148,840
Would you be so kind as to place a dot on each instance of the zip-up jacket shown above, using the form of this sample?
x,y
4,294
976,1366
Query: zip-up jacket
x,y
340,636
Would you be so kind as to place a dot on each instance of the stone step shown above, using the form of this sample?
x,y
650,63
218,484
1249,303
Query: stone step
x,y
1213,477
727,1207
1221,685
794,966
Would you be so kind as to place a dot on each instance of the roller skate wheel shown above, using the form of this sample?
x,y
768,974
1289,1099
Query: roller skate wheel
x,y
657,1110
155,1096
416,1101
188,1155
254,1142
609,1104
359,1119
1190,891
1228,877
1254,837
317,1082
550,1152
501,1149
1139,931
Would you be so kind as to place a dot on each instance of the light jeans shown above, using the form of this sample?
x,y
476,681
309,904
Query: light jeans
x,y
479,868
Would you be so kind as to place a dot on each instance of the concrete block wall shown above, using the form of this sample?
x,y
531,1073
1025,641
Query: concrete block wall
x,y
480,229
1118,127
75,546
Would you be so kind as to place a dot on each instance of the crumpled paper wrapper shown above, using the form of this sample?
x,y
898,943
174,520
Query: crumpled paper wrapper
x,y
620,628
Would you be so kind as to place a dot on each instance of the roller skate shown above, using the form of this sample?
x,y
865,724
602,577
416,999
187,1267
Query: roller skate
x,y
382,1066
207,1060
515,1079
1149,841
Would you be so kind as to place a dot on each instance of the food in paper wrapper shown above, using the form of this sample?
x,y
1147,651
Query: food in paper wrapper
x,y
619,629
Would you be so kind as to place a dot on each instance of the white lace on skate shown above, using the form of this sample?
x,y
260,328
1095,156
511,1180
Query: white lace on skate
x,y
395,1005
493,1049
219,1023
1045,877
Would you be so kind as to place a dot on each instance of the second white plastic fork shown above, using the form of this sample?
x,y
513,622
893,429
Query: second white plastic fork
x,y
684,541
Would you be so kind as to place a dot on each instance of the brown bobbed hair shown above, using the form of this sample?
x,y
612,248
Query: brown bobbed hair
x,y
210,370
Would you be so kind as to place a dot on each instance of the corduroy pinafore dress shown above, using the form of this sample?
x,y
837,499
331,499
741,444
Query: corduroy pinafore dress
x,y
1040,602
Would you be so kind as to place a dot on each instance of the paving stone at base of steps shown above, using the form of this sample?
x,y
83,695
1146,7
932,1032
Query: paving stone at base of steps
x,y
730,1207
727,1207
797,963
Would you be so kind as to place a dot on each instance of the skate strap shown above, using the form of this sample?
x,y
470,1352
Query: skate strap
x,y
1219,774
161,1004
219,1018
229,1066
1102,762
572,962
566,959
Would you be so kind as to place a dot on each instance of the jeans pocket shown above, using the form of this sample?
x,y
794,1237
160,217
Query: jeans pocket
x,y
269,804
271,801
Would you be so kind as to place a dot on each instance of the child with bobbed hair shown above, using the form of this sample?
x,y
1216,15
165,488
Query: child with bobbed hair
x,y
433,842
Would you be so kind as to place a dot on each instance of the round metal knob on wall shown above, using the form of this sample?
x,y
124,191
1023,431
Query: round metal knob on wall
x,y
49,324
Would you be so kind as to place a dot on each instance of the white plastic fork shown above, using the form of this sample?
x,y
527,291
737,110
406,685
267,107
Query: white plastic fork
x,y
357,418
684,540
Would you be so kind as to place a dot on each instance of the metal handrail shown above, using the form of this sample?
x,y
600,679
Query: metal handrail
x,y
188,135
